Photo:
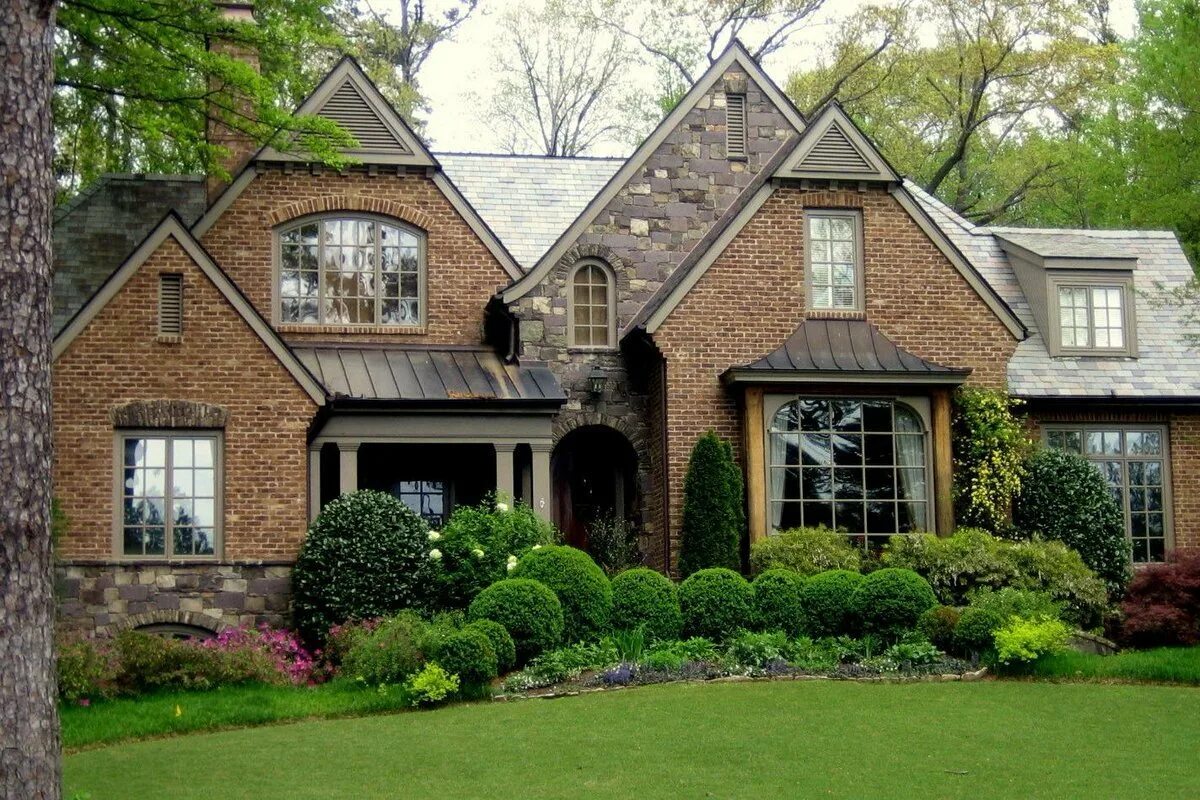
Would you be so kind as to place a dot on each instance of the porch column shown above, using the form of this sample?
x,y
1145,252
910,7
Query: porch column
x,y
541,479
314,482
505,485
943,464
756,468
347,467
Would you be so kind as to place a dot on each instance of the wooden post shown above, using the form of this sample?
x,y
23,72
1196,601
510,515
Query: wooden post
x,y
943,464
541,479
505,484
314,482
347,467
756,466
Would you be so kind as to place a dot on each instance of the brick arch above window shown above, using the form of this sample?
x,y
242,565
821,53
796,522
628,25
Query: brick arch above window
x,y
188,619
333,203
566,265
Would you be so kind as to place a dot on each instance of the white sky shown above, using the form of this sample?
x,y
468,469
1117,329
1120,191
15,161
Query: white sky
x,y
460,69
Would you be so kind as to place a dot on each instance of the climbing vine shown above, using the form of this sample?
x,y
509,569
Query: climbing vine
x,y
990,447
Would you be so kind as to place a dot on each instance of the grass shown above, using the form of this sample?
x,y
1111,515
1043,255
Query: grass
x,y
1164,665
981,740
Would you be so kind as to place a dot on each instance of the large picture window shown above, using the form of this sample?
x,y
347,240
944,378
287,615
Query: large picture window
x,y
350,271
1134,462
169,495
855,465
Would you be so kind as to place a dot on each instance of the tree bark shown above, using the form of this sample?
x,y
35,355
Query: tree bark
x,y
29,737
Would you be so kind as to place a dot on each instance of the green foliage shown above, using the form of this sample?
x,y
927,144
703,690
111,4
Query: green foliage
x,y
645,597
629,643
1009,602
716,603
749,649
431,686
582,588
976,627
149,662
563,664
612,541
1021,641
393,651
806,551
86,670
713,507
889,601
502,643
1161,665
777,601
366,555
1066,499
825,600
528,610
938,625
990,446
672,655
469,654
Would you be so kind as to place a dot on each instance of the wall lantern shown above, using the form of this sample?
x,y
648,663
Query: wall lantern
x,y
596,381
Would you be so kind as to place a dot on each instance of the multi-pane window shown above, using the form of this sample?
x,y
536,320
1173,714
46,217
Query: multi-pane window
x,y
855,465
834,261
591,295
1091,317
425,498
169,495
350,271
1134,462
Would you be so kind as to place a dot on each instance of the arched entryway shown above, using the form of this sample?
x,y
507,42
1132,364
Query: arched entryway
x,y
594,469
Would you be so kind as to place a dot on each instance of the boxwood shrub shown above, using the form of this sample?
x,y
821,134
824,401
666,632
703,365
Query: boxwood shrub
x,y
502,643
396,649
366,555
646,597
825,602
889,601
777,601
716,603
806,551
975,634
527,609
938,625
469,654
581,586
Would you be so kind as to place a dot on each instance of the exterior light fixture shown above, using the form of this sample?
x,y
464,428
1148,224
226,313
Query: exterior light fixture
x,y
596,381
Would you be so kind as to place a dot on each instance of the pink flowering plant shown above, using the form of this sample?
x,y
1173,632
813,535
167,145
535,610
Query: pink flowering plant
x,y
283,647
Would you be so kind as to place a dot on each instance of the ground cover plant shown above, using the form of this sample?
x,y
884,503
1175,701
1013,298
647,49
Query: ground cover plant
x,y
1160,665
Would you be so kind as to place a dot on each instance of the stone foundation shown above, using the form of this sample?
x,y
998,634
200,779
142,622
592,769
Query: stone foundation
x,y
106,598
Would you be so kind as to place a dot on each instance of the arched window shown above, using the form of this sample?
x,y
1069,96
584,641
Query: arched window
x,y
855,465
590,306
351,270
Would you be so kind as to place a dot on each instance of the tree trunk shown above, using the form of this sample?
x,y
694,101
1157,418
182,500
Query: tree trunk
x,y
29,740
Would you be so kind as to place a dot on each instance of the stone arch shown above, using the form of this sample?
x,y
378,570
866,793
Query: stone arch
x,y
574,255
332,203
168,414
189,619
564,423
595,476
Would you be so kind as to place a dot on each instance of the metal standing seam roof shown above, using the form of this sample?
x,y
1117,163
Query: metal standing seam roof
x,y
416,375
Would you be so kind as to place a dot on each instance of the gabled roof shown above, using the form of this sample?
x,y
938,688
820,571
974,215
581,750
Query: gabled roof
x,y
734,54
834,148
173,227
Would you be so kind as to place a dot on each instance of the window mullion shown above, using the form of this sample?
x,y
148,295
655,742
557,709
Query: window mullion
x,y
169,499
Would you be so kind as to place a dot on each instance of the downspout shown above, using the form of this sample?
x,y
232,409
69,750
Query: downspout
x,y
514,328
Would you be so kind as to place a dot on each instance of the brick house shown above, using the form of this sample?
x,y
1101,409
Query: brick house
x,y
560,330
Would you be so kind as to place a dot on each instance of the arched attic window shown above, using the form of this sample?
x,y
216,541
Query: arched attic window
x,y
351,269
591,306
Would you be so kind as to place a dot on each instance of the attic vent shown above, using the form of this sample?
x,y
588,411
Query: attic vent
x,y
835,153
735,125
170,304
347,108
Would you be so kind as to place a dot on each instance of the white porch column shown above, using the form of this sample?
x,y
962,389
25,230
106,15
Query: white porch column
x,y
541,479
347,467
505,485
314,482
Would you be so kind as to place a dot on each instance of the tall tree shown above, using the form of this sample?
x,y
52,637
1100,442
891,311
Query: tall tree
x,y
29,739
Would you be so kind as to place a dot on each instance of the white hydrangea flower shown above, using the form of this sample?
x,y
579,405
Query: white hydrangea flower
x,y
477,552
434,536
512,563
435,554
502,506
536,547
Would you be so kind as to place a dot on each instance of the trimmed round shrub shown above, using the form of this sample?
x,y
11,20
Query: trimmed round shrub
x,y
777,601
1066,499
825,602
889,601
366,555
391,652
528,610
938,625
502,643
975,634
469,654
806,551
716,603
582,587
643,596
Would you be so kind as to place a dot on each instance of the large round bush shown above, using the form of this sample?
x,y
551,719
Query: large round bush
x,y
528,610
502,643
1065,498
469,654
938,625
716,603
825,602
582,587
366,555
646,597
975,634
777,601
889,601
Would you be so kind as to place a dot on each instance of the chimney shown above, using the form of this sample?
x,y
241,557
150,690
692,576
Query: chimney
x,y
237,145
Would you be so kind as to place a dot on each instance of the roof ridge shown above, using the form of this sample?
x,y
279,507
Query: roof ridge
x,y
1101,233
563,159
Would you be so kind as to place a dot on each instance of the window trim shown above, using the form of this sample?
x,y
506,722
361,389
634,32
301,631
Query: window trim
x,y
610,277
1164,430
856,219
1090,281
118,487
372,327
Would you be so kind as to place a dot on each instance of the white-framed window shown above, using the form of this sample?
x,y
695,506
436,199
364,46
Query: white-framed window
x,y
857,465
1135,462
834,260
169,492
351,270
590,306
1091,317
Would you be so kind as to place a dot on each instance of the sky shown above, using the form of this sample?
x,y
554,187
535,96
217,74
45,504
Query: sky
x,y
458,73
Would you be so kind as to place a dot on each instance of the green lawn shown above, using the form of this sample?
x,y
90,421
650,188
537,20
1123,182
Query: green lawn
x,y
1163,665
779,739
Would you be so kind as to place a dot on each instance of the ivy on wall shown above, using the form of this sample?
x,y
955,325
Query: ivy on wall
x,y
991,443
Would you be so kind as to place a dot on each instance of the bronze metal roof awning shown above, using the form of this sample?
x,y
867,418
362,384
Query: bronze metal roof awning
x,y
446,377
843,351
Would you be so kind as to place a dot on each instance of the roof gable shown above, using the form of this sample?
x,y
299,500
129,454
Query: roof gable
x,y
834,148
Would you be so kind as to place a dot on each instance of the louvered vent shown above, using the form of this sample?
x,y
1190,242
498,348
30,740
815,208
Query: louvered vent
x,y
735,125
170,304
835,153
347,108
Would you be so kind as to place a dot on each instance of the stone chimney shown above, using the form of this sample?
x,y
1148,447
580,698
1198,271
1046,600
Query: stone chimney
x,y
238,146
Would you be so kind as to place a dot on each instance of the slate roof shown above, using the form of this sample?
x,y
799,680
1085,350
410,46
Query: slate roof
x,y
416,375
527,200
1064,244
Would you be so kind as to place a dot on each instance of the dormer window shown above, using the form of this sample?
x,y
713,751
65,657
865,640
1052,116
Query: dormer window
x,y
1091,317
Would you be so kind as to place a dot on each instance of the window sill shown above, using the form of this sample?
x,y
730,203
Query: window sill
x,y
164,338
832,313
390,330
593,350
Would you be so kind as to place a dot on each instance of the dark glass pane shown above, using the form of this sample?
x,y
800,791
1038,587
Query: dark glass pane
x,y
879,450
848,484
133,541
1112,472
202,540
156,541
788,515
1073,442
877,416
911,517
1137,473
847,415
814,415
1055,439
815,448
1154,500
818,484
289,310
1137,499
787,418
183,540
1153,473
1141,551
1154,525
1158,550
881,517
848,450
849,517
881,483
1137,524
818,515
